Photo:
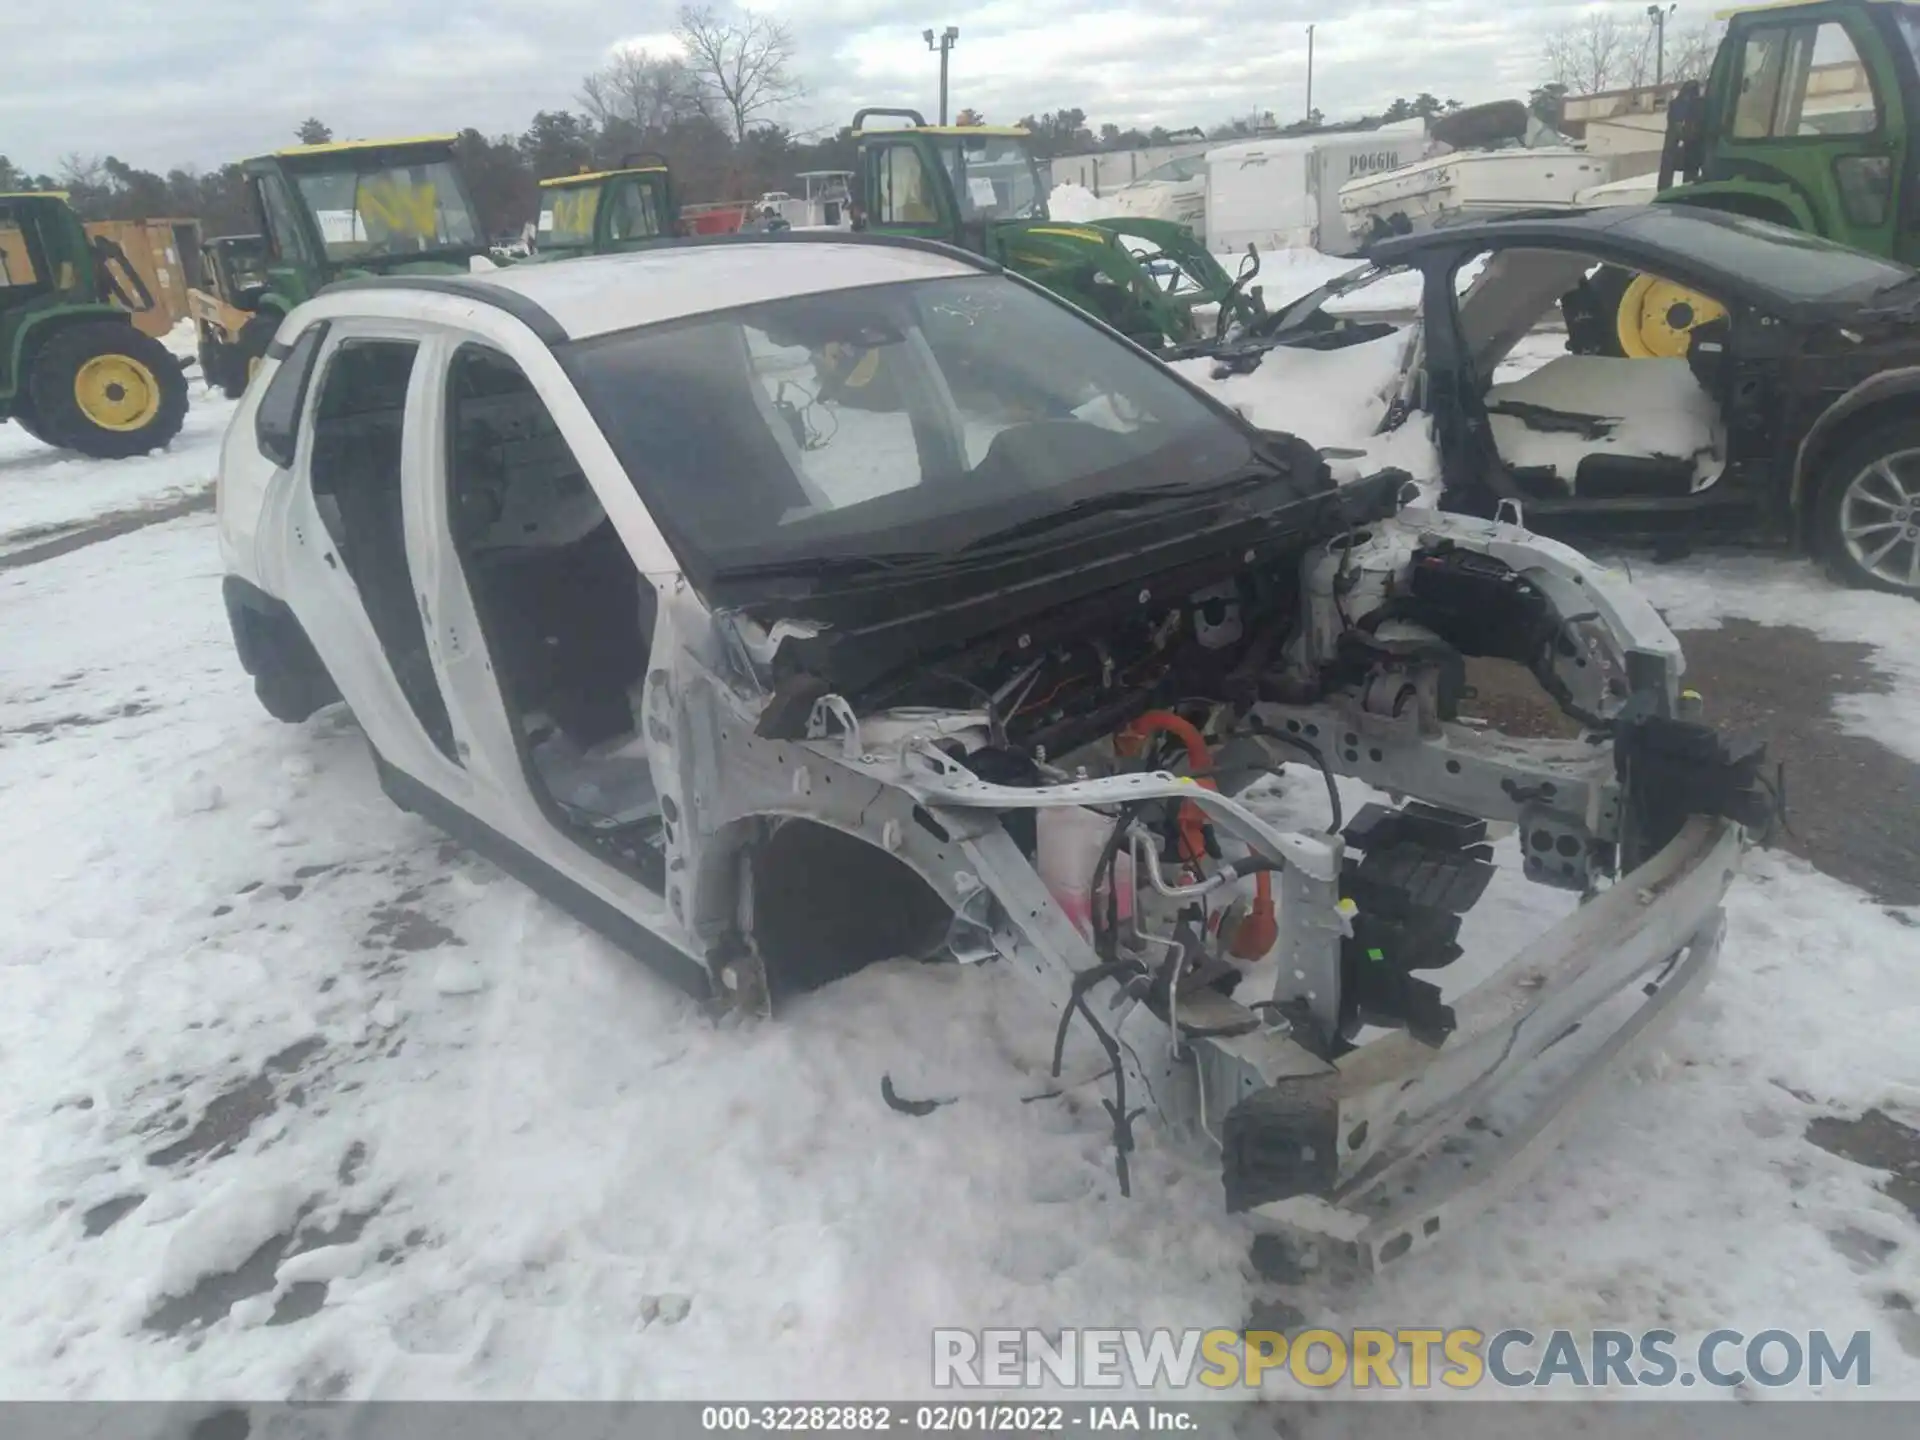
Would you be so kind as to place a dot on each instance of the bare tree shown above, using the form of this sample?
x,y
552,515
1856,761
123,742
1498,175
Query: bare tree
x,y
1599,52
647,91
1690,52
83,172
742,65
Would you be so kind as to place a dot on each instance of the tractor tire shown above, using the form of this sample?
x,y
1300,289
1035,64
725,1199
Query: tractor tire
x,y
105,389
1866,513
23,417
223,367
213,362
247,353
1594,329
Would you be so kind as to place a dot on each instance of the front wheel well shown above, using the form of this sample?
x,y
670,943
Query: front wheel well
x,y
826,903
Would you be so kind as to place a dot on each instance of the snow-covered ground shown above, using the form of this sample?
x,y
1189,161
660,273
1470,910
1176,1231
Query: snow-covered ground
x,y
301,1101
1769,591
43,491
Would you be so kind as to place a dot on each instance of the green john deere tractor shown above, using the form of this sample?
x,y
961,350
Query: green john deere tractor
x,y
342,211
604,210
74,371
1809,118
978,186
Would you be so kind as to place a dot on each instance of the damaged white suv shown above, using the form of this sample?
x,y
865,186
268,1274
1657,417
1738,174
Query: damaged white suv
x,y
778,606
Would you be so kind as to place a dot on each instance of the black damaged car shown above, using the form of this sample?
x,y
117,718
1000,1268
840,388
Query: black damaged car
x,y
1721,379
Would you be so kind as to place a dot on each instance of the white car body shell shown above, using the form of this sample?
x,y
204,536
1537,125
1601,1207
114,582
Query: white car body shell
x,y
1391,1195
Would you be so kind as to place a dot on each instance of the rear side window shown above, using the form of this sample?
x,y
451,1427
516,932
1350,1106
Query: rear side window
x,y
276,424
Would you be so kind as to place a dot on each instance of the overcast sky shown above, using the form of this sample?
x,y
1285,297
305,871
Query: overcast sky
x,y
200,82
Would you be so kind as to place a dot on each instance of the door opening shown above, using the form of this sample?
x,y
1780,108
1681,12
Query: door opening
x,y
568,619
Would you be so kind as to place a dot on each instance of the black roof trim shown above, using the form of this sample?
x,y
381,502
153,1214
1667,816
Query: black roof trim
x,y
534,317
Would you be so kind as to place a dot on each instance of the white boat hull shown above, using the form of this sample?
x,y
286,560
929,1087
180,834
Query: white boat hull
x,y
1468,183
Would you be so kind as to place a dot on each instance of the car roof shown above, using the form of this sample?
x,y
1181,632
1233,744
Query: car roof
x,y
1654,230
599,294
1645,226
1568,225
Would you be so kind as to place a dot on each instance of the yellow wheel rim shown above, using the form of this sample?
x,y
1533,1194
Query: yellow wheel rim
x,y
856,366
117,392
1657,318
863,369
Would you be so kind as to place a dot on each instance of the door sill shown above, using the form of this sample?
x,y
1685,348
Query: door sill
x,y
551,884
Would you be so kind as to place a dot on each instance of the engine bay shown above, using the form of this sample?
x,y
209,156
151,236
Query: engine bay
x,y
1142,756
1350,660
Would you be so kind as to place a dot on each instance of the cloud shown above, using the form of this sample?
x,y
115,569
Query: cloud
x,y
228,78
660,44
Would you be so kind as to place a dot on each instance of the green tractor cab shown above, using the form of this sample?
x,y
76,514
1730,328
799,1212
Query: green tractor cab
x,y
1807,119
605,210
74,371
348,210
979,187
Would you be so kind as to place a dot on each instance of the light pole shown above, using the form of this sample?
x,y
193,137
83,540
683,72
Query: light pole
x,y
1659,17
943,42
1309,72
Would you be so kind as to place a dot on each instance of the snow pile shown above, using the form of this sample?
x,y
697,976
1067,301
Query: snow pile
x,y
222,1230
1657,408
1068,201
183,340
1156,200
1333,399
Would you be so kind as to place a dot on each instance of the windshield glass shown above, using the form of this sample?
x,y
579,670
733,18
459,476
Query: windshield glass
x,y
246,264
909,418
1191,167
390,210
993,176
1792,263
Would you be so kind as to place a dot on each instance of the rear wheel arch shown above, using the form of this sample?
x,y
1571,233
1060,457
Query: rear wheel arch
x,y
1862,513
1879,401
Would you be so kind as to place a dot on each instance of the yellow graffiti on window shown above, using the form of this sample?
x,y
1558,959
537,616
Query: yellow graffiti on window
x,y
392,206
573,212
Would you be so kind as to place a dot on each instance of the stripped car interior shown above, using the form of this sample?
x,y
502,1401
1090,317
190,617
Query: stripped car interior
x,y
784,605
